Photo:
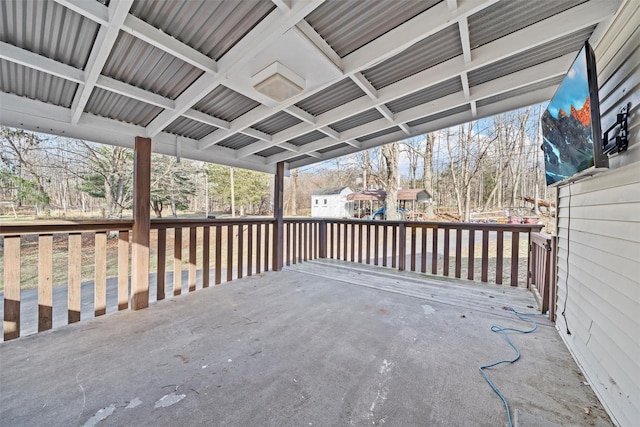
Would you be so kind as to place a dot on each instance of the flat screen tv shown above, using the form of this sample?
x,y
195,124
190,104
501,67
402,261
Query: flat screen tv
x,y
571,133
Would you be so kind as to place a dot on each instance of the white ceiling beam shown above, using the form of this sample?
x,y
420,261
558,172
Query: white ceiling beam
x,y
37,62
405,128
463,26
308,33
354,144
93,10
384,110
243,122
285,5
400,38
163,41
21,112
465,84
254,133
365,85
264,33
112,85
300,114
106,38
578,17
452,5
525,77
330,132
206,119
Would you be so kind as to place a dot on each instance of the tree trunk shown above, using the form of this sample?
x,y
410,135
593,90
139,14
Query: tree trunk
x,y
233,193
391,152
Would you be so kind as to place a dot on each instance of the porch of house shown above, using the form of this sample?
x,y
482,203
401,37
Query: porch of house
x,y
323,342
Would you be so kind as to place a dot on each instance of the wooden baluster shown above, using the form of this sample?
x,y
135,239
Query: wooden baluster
x,y
240,250
193,236
177,261
206,243
267,232
345,247
353,242
394,246
360,243
100,284
218,266
368,244
288,240
250,250
74,303
306,242
402,246
515,249
45,282
434,250
296,246
314,227
499,256
376,249
384,245
123,270
259,247
330,239
11,287
162,264
485,256
447,249
230,253
458,252
472,254
412,261
423,249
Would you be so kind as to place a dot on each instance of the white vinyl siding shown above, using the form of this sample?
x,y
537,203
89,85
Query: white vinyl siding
x,y
598,268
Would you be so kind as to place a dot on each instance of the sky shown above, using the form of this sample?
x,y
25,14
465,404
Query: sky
x,y
573,90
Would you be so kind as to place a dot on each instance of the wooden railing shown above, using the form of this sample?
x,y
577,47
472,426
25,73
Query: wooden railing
x,y
446,249
542,277
217,249
213,251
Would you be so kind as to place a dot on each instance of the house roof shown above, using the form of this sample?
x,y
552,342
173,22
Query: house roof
x,y
417,194
183,72
330,191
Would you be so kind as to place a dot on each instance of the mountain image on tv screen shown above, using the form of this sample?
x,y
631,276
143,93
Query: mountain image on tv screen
x,y
566,126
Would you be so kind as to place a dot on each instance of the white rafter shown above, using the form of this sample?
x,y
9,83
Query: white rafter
x,y
92,10
463,26
300,114
384,110
536,34
270,28
405,128
365,85
106,38
40,63
303,28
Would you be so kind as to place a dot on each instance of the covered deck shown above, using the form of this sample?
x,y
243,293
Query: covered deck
x,y
324,342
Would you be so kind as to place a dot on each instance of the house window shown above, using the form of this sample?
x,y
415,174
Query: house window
x,y
316,201
325,201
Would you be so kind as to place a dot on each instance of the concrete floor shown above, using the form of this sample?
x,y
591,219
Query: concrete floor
x,y
322,343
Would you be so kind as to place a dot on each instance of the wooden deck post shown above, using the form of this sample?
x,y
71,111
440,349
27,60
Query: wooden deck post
x,y
278,210
141,224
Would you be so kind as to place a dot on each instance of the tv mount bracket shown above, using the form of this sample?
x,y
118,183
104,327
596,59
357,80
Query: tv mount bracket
x,y
618,141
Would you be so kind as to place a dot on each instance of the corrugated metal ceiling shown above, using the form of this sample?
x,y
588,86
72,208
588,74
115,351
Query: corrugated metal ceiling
x,y
118,107
225,104
543,53
443,45
379,133
440,115
211,27
333,96
276,123
508,16
307,138
271,151
334,147
189,128
555,81
432,93
33,84
140,64
347,25
46,28
357,120
237,141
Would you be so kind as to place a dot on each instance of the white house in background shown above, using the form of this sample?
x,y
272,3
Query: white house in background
x,y
331,203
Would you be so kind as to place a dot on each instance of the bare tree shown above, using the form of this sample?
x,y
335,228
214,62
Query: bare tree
x,y
389,180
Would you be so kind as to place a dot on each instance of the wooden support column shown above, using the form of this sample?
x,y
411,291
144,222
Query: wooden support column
x,y
278,210
141,224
